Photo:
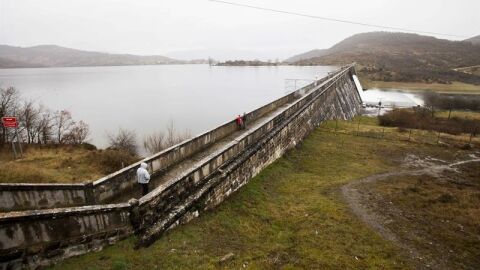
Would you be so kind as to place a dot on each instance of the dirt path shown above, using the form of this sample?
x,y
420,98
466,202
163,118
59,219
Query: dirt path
x,y
357,200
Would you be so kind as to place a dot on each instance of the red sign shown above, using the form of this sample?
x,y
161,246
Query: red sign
x,y
9,122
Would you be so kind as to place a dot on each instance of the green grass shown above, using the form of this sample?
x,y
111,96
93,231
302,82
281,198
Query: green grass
x,y
369,127
290,216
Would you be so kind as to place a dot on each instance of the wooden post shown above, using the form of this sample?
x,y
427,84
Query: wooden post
x,y
383,132
474,130
438,137
336,124
409,134
14,150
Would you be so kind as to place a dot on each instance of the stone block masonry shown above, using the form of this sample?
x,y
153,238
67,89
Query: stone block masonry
x,y
33,238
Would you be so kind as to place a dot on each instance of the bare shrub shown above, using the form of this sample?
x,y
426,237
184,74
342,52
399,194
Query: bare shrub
x,y
29,120
112,160
441,101
77,134
63,122
125,140
45,126
420,119
154,143
159,141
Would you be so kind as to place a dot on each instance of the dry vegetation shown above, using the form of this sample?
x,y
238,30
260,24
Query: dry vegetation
x,y
160,140
435,215
61,164
421,118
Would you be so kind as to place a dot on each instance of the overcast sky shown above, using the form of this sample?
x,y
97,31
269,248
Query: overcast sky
x,y
200,28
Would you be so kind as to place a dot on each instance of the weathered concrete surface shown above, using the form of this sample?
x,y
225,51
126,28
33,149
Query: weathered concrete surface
x,y
184,188
30,239
37,196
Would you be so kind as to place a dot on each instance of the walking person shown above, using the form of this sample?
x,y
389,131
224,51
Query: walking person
x,y
239,122
244,120
143,177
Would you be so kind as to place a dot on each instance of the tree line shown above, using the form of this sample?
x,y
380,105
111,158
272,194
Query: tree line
x,y
37,123
40,125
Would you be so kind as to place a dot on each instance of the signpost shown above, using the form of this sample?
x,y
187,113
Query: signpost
x,y
11,122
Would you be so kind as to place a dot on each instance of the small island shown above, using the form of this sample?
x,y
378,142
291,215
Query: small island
x,y
248,63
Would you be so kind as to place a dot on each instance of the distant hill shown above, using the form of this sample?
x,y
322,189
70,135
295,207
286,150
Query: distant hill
x,y
475,40
56,56
387,56
307,55
247,63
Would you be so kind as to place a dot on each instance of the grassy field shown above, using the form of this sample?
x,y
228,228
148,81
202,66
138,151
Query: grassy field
x,y
59,164
436,214
369,127
459,114
453,88
290,216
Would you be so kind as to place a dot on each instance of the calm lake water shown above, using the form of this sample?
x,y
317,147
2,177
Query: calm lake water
x,y
146,98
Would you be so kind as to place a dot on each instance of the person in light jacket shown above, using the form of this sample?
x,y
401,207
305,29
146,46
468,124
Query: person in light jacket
x,y
143,177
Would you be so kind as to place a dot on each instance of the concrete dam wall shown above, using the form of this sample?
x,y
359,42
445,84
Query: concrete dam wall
x,y
59,221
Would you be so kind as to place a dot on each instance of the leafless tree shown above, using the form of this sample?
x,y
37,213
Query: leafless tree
x,y
63,122
44,126
154,143
125,140
29,117
9,98
77,134
159,141
37,123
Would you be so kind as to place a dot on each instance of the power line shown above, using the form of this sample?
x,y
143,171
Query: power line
x,y
336,20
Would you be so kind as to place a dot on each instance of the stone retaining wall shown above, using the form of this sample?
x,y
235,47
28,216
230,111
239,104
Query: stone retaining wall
x,y
30,239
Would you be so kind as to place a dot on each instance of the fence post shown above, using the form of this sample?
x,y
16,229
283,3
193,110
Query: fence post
x,y
18,142
14,150
383,132
474,130
409,134
438,137
336,124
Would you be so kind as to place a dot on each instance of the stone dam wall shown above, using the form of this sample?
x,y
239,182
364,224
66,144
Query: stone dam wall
x,y
33,238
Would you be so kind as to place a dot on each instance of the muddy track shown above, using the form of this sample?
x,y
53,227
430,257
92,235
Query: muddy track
x,y
363,208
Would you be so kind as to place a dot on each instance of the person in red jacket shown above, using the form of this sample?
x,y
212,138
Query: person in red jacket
x,y
239,122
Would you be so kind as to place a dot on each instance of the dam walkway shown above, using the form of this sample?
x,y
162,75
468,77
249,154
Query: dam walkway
x,y
198,158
